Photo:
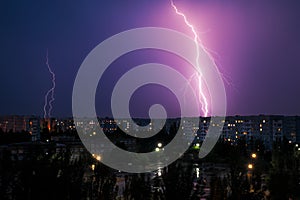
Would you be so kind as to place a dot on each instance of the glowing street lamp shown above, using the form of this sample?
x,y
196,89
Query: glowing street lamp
x,y
159,145
250,166
157,149
253,155
98,157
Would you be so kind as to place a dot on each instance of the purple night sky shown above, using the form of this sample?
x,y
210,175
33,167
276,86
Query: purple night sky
x,y
257,45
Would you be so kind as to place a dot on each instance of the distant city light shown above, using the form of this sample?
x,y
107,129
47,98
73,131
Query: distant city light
x,y
253,155
159,172
250,166
197,172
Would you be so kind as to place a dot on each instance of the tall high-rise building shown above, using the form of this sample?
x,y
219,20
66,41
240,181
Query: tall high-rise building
x,y
33,127
13,123
265,128
16,123
290,128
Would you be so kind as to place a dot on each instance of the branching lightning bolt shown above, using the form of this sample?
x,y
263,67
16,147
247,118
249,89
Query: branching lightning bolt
x,y
49,97
201,96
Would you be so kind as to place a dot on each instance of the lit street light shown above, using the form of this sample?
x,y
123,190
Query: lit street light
x,y
98,157
250,166
249,175
159,173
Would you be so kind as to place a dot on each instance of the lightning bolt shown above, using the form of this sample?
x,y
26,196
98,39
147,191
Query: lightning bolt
x,y
198,75
49,97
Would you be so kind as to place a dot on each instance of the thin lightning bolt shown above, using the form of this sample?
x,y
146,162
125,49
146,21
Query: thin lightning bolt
x,y
202,97
50,92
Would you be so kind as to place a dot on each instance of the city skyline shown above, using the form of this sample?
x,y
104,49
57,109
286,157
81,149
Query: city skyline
x,y
257,45
265,128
